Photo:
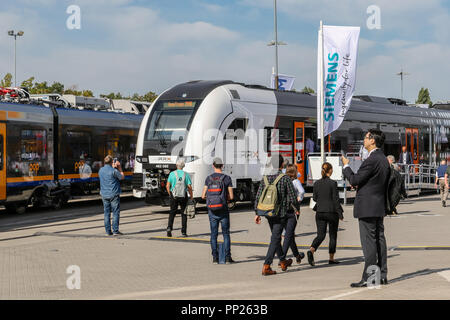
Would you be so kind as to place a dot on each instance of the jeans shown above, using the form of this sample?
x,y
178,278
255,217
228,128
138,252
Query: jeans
x,y
276,226
223,218
174,202
289,238
112,205
322,220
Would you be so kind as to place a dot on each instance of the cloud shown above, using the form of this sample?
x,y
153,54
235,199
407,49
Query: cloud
x,y
129,48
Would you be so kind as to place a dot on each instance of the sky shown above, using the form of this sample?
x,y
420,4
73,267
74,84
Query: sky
x,y
138,46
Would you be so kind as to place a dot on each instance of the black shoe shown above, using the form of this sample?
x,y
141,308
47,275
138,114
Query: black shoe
x,y
443,204
360,284
184,235
310,258
384,281
229,260
169,233
215,260
333,262
118,233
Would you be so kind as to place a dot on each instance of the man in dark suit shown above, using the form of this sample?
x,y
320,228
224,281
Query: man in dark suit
x,y
370,204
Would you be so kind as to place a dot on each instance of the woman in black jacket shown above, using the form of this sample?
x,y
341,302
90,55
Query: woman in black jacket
x,y
328,212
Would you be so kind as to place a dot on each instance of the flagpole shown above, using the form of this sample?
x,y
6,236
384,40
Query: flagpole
x,y
321,98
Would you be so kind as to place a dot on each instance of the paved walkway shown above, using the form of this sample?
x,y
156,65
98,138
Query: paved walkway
x,y
37,248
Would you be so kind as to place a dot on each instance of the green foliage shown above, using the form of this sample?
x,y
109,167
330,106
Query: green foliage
x,y
307,90
424,97
28,83
7,81
149,96
35,87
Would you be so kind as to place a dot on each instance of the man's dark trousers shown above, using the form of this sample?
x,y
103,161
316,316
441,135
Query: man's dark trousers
x,y
174,202
373,242
277,225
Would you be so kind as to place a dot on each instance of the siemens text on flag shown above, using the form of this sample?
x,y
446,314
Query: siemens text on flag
x,y
340,46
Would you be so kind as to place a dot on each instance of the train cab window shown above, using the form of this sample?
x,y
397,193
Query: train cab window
x,y
33,145
237,129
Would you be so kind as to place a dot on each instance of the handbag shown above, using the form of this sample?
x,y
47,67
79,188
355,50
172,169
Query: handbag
x,y
312,204
190,209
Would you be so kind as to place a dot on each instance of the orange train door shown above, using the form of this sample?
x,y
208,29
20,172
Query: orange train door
x,y
299,148
2,161
412,143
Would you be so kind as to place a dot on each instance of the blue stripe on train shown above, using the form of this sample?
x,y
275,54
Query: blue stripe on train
x,y
37,183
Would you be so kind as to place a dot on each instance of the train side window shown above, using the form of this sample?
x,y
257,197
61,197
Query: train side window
x,y
33,145
236,129
79,144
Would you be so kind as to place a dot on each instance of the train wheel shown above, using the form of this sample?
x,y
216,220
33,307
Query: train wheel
x,y
58,203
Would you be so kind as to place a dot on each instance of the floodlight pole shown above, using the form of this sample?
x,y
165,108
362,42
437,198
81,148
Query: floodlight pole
x,y
13,34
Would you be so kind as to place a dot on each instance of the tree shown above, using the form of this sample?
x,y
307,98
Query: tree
x,y
424,97
7,81
28,83
56,87
40,88
307,90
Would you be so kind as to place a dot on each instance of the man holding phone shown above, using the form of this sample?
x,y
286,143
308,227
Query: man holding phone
x,y
110,175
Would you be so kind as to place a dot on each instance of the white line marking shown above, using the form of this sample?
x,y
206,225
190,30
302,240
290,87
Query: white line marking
x,y
344,294
445,275
142,294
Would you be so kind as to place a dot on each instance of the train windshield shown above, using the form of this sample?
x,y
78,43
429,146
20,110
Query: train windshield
x,y
170,120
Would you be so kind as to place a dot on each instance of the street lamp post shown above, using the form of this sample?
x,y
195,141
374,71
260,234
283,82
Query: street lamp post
x,y
276,43
13,34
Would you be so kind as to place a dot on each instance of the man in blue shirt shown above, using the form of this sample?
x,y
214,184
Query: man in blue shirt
x,y
110,175
178,183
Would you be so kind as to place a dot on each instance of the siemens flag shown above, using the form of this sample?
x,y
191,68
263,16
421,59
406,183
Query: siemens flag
x,y
339,47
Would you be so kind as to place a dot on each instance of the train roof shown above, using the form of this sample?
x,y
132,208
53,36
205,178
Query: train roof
x,y
363,108
41,113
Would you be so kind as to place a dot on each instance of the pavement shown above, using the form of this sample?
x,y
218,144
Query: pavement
x,y
65,254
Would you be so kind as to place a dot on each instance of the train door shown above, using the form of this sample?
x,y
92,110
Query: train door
x,y
299,148
412,143
2,161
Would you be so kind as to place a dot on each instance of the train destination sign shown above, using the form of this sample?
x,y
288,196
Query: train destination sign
x,y
179,104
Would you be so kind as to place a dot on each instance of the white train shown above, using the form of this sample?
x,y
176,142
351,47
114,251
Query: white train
x,y
244,124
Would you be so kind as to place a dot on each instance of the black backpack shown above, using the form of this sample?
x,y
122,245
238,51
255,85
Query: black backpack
x,y
216,197
395,190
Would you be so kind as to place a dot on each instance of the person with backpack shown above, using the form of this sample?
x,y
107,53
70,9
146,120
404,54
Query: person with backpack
x,y
277,201
178,184
218,190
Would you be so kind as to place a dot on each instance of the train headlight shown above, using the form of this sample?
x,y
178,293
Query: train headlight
x,y
142,159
